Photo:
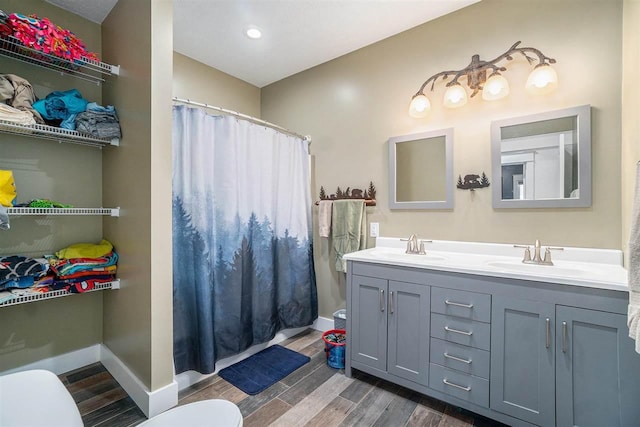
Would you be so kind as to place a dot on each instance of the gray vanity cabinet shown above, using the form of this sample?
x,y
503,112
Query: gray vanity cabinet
x,y
545,354
523,359
390,327
368,335
596,369
565,366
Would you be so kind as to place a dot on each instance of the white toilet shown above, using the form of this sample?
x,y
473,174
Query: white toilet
x,y
38,398
34,399
206,413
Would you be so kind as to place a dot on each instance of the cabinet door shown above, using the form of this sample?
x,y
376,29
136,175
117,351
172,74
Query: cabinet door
x,y
409,331
597,370
369,321
522,360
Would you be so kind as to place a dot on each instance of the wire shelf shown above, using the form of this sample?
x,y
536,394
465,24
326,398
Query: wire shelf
x,y
63,211
85,69
55,134
32,297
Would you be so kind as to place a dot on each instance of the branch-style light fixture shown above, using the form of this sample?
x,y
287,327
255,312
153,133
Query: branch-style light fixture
x,y
543,79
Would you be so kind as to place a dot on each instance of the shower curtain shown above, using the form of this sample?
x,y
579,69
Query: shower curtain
x,y
242,236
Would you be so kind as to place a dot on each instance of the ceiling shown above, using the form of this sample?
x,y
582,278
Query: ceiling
x,y
297,34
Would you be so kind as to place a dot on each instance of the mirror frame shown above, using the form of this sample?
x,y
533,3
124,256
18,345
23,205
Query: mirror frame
x,y
583,115
423,204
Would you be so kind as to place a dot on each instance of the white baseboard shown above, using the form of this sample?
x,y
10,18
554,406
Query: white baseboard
x,y
151,403
322,324
64,362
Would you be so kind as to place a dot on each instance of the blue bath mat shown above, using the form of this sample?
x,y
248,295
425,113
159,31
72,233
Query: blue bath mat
x,y
263,369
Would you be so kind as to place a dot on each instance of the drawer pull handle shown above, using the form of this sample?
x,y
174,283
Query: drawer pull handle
x,y
448,329
456,385
458,359
382,300
458,304
564,337
391,302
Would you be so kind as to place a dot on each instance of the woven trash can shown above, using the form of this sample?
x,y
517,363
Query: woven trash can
x,y
340,319
335,351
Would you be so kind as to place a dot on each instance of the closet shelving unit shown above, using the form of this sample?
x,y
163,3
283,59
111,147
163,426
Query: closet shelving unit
x,y
34,296
63,211
55,134
84,69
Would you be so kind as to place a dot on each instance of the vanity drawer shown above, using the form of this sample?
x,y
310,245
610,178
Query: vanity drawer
x,y
461,331
460,357
469,305
463,386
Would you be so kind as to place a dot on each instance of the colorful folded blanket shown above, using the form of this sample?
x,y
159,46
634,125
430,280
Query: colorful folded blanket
x,y
15,267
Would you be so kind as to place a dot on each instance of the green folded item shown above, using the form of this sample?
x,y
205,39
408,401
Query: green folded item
x,y
45,203
85,250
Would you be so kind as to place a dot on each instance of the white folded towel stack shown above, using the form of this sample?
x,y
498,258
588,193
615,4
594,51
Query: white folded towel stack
x,y
13,115
324,217
633,320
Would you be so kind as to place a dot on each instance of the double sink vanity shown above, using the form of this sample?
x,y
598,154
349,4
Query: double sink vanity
x,y
475,326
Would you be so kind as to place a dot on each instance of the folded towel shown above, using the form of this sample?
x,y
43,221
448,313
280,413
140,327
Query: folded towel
x,y
633,320
348,225
18,93
13,115
324,217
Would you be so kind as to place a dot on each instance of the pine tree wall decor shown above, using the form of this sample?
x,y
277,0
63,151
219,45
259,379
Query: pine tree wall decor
x,y
369,195
473,181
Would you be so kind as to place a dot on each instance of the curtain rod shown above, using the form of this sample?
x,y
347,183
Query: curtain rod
x,y
244,116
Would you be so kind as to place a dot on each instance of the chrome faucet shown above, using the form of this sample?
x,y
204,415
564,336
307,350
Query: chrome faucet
x,y
537,259
414,245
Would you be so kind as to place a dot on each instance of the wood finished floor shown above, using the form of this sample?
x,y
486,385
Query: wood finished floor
x,y
313,395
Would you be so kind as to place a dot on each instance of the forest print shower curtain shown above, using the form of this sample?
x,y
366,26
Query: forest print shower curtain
x,y
242,237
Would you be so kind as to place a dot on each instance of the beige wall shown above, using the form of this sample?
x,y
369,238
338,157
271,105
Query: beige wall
x,y
64,172
353,104
201,83
138,321
630,110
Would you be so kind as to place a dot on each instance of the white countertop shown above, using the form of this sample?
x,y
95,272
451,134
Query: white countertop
x,y
595,268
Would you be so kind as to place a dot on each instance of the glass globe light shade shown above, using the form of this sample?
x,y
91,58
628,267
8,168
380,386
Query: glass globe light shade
x,y
542,80
496,87
455,96
420,106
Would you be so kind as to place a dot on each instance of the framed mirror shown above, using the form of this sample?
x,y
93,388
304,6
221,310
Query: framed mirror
x,y
542,160
421,170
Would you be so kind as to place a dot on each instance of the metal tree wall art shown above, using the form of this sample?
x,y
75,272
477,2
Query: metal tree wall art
x,y
369,195
472,181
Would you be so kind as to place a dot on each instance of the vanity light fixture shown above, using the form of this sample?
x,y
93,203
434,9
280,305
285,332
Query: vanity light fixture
x,y
543,79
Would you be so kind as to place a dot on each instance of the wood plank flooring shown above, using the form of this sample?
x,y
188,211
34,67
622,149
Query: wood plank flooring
x,y
313,396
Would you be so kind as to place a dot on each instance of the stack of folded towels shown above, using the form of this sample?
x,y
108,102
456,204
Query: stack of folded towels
x,y
80,267
19,272
76,268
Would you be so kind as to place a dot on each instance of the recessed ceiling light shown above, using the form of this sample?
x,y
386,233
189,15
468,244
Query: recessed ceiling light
x,y
253,32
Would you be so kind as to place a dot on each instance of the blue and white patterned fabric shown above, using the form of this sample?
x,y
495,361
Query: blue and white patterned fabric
x,y
242,237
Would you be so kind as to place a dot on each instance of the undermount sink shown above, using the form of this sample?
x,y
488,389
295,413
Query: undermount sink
x,y
536,268
400,255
